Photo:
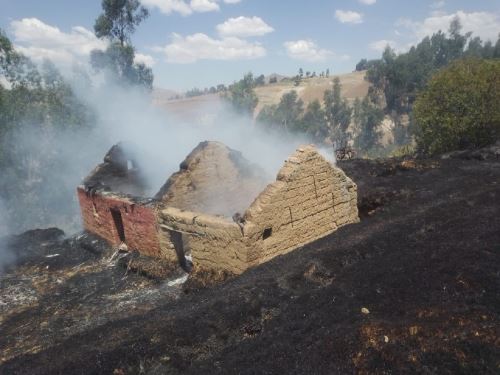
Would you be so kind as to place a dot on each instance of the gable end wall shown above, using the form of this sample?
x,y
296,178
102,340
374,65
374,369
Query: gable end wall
x,y
310,199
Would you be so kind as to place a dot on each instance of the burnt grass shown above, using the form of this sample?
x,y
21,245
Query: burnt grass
x,y
423,264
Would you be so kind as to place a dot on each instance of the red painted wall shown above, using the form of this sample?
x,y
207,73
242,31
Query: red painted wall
x,y
139,222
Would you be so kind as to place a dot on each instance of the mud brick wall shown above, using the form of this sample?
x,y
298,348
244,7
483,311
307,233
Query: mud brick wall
x,y
310,199
139,221
214,242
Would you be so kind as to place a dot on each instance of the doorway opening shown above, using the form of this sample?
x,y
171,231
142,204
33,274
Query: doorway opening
x,y
118,221
178,241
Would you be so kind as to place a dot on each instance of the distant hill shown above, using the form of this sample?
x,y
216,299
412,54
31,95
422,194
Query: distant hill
x,y
192,109
161,95
353,86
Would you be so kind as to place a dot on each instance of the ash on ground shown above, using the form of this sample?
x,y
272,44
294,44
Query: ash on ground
x,y
412,288
61,286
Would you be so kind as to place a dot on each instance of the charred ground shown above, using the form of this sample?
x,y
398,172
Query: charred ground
x,y
424,262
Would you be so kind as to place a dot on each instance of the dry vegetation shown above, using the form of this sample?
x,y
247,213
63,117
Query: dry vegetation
x,y
353,86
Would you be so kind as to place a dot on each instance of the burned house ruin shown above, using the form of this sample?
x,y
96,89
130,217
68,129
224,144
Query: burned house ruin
x,y
218,206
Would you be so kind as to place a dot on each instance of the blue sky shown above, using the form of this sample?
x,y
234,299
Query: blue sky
x,y
199,43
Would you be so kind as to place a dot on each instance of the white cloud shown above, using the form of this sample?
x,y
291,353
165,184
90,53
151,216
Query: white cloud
x,y
37,54
38,40
348,16
244,27
147,60
368,2
169,6
185,7
204,5
380,45
483,24
200,46
306,50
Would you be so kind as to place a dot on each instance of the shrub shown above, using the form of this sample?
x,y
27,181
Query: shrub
x,y
460,107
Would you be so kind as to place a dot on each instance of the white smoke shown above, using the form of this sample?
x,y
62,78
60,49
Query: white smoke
x,y
6,257
163,141
3,220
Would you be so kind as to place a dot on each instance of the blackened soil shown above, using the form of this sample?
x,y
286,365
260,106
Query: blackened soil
x,y
413,288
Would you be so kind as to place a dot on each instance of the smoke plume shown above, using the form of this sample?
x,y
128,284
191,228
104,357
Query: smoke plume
x,y
59,163
6,257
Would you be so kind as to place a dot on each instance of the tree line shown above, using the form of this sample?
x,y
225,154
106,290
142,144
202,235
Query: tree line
x,y
258,81
399,78
221,88
323,122
398,81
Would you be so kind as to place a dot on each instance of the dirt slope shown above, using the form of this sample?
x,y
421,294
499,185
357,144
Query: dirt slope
x,y
412,288
353,86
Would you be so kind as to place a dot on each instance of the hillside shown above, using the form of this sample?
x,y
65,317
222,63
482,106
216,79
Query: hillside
x,y
163,95
412,288
192,109
353,86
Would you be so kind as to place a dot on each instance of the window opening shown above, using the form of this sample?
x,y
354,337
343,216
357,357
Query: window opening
x,y
267,233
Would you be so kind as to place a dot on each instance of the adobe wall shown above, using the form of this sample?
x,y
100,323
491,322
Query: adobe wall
x,y
214,242
139,221
310,199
